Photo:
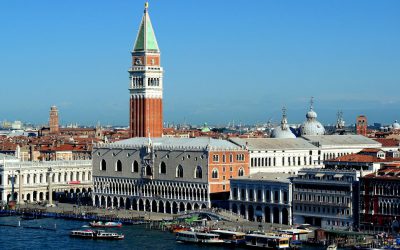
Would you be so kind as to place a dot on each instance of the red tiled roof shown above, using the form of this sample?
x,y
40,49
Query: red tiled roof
x,y
364,158
388,142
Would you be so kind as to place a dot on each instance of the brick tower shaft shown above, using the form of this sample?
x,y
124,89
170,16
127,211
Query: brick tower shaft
x,y
146,83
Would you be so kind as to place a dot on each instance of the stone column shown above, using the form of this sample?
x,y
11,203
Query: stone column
x,y
263,214
290,222
271,196
50,188
247,194
280,216
263,195
246,214
271,215
20,190
239,194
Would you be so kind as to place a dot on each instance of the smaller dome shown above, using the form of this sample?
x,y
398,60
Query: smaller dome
x,y
311,114
396,125
282,131
278,132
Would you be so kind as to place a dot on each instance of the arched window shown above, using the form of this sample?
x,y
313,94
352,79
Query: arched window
x,y
198,173
163,168
240,172
179,171
214,173
103,165
149,171
118,166
135,167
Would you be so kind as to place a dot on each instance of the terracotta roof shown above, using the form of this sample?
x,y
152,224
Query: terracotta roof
x,y
370,150
363,158
388,142
387,173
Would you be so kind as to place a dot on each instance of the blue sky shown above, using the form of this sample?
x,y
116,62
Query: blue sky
x,y
223,60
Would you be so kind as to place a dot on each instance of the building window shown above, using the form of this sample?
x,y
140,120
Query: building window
x,y
179,171
118,166
223,158
223,187
214,174
135,167
163,168
231,168
231,158
198,173
240,157
103,165
215,158
240,172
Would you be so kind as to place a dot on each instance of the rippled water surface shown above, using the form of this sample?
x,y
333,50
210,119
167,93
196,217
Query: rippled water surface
x,y
136,237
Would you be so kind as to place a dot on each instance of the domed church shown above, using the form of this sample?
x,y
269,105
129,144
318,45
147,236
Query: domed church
x,y
283,131
312,126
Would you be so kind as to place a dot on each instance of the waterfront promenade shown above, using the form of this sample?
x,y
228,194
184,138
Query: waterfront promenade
x,y
231,221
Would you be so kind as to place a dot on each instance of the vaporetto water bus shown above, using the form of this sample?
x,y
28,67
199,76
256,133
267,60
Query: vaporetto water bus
x,y
267,241
198,237
231,237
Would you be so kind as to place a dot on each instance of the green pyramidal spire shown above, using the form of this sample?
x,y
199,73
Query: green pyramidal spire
x,y
146,39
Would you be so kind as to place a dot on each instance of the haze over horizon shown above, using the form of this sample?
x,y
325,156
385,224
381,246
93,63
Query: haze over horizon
x,y
222,62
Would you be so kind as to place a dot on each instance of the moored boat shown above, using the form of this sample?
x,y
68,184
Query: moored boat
x,y
230,237
331,247
179,228
267,241
105,225
98,234
198,237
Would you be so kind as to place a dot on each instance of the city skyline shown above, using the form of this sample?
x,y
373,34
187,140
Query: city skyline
x,y
77,58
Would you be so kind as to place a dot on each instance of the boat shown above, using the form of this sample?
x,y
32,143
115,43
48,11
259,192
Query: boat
x,y
331,247
30,216
267,241
96,234
198,237
105,225
179,228
230,237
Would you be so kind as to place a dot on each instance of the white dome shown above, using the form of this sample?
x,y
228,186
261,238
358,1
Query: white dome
x,y
311,126
278,132
396,125
283,131
311,114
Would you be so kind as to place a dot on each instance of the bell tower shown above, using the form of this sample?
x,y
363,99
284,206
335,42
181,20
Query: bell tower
x,y
146,83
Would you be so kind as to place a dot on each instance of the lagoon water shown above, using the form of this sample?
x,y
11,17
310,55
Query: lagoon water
x,y
136,237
